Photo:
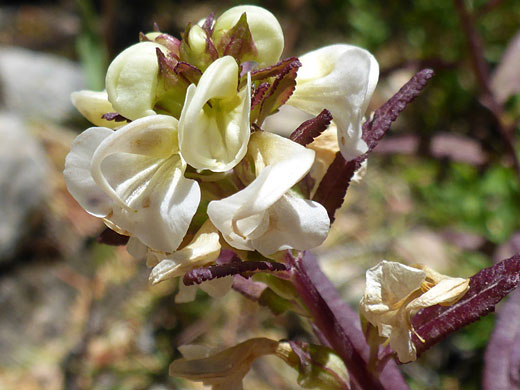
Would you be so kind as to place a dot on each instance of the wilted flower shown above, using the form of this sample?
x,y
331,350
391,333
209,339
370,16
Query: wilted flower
x,y
395,292
224,370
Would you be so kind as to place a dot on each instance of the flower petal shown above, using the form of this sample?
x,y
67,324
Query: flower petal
x,y
280,164
214,124
77,173
340,78
137,166
293,224
131,80
202,250
265,29
93,105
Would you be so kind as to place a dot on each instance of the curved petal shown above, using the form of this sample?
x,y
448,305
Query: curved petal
x,y
138,168
280,164
341,78
214,124
78,177
131,80
202,250
159,202
153,136
265,29
92,105
294,224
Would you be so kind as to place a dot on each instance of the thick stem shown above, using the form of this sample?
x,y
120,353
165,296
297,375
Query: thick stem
x,y
330,327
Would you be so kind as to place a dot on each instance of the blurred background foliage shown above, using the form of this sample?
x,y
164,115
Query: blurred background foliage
x,y
441,189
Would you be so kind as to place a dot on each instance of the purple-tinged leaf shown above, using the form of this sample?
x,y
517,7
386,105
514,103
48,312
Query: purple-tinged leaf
x,y
249,288
188,72
170,42
280,91
110,237
114,116
258,94
502,358
312,128
167,65
375,129
486,289
274,70
334,185
156,27
143,37
340,325
238,41
200,275
208,24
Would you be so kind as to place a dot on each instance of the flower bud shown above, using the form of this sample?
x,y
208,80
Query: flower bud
x,y
266,31
131,80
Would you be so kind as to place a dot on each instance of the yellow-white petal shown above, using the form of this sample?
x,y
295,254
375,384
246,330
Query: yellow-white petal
x,y
78,177
93,105
342,79
246,215
265,30
139,168
202,250
131,80
214,124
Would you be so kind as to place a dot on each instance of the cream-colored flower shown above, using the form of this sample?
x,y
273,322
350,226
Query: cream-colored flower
x,y
265,29
266,216
342,79
133,178
395,292
214,125
131,80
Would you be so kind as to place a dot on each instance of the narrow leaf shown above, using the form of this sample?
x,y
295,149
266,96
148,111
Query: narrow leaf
x,y
238,41
208,24
501,363
334,185
189,72
312,128
280,91
202,274
274,70
258,95
486,289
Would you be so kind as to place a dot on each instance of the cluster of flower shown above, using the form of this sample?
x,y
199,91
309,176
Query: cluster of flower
x,y
185,164
182,161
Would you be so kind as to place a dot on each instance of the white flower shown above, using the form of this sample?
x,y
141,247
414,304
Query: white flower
x,y
133,178
214,125
340,78
395,292
265,216
265,29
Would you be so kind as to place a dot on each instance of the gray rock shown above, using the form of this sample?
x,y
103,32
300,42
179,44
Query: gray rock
x,y
37,85
23,181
